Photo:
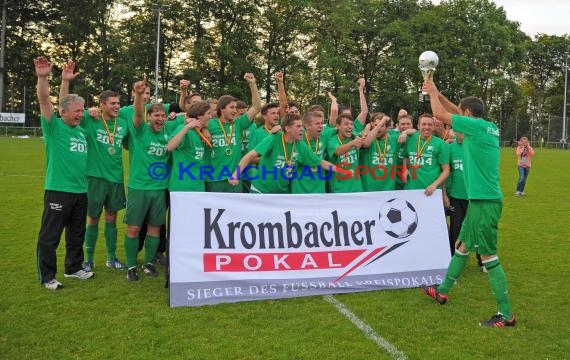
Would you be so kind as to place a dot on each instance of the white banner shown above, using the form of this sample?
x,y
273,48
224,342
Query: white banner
x,y
242,247
19,118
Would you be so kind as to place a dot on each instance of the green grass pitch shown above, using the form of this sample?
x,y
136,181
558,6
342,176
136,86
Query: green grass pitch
x,y
108,318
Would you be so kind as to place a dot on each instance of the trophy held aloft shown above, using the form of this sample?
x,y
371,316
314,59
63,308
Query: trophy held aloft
x,y
427,63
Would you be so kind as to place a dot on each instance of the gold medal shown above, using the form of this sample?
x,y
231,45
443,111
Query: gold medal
x,y
228,140
288,173
314,169
111,151
382,154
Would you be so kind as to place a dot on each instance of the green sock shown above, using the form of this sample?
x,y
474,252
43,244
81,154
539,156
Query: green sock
x,y
498,282
111,240
150,246
131,250
454,271
91,233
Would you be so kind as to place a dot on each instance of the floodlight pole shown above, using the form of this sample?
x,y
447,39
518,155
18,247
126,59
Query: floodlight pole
x,y
2,52
565,92
157,8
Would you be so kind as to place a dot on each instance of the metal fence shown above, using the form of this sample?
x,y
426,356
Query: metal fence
x,y
16,131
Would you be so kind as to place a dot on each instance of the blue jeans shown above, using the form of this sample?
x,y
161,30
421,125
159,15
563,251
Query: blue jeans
x,y
523,175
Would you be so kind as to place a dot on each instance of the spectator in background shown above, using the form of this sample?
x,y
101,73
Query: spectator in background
x,y
524,153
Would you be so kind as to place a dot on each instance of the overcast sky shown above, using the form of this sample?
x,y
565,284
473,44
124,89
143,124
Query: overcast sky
x,y
550,17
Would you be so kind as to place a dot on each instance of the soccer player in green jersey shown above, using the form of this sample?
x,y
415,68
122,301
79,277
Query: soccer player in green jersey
x,y
65,197
187,144
429,157
270,115
343,150
378,154
227,131
455,194
148,180
481,170
313,182
404,123
280,155
105,184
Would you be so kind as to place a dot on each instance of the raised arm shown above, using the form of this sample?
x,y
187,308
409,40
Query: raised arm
x,y
282,95
448,105
184,84
139,88
43,69
370,136
334,110
437,108
67,75
363,105
255,98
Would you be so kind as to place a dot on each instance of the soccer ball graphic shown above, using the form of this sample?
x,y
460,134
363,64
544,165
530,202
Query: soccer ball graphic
x,y
398,218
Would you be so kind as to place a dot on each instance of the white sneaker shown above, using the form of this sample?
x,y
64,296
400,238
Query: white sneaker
x,y
80,274
53,285
518,193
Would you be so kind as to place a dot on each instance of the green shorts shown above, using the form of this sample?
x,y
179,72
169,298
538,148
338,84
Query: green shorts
x,y
479,229
143,203
104,193
223,186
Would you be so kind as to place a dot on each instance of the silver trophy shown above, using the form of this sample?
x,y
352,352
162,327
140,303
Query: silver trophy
x,y
428,62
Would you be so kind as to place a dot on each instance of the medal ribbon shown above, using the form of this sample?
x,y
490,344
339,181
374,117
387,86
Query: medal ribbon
x,y
309,143
111,137
204,139
228,142
418,150
346,154
288,160
381,154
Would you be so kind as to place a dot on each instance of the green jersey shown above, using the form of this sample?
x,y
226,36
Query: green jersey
x,y
358,128
150,158
66,156
480,157
428,155
311,182
105,141
257,136
187,162
277,156
246,139
226,146
379,159
455,184
344,183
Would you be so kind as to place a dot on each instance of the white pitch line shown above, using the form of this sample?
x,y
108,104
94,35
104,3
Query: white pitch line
x,y
366,329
